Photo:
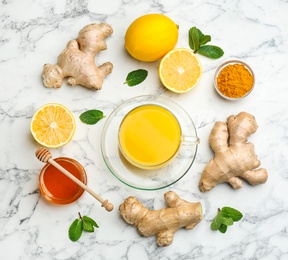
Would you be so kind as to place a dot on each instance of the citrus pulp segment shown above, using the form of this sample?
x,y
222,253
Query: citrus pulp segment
x,y
53,125
180,70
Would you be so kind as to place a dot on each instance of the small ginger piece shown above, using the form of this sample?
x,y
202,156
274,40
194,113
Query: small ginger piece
x,y
164,222
77,61
235,159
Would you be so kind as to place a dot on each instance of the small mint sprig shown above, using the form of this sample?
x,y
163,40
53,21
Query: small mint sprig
x,y
91,117
225,218
136,77
197,42
82,223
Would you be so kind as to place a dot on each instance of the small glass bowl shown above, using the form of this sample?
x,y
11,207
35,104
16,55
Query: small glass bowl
x,y
221,67
61,190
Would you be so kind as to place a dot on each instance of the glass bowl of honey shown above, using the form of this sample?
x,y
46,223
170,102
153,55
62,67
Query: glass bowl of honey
x,y
149,142
56,187
234,80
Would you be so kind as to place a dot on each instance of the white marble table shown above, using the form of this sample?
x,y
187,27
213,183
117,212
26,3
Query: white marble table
x,y
35,32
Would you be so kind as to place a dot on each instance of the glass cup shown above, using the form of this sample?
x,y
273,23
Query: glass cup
x,y
150,137
56,187
153,179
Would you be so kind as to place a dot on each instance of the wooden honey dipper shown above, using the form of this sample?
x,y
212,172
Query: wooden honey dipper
x,y
45,156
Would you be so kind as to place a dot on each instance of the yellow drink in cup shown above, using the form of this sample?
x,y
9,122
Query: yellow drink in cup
x,y
149,136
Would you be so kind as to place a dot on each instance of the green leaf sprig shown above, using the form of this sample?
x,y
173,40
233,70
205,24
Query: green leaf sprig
x,y
91,117
82,223
225,218
197,42
136,77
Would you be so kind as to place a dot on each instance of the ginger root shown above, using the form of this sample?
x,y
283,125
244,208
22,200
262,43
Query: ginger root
x,y
234,157
162,223
77,61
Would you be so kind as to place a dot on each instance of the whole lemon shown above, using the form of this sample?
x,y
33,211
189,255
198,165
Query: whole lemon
x,y
150,37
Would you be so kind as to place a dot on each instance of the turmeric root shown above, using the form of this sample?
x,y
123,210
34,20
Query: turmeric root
x,y
77,61
234,157
162,223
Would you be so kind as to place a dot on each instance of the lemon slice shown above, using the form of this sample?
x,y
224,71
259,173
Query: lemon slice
x,y
53,125
180,70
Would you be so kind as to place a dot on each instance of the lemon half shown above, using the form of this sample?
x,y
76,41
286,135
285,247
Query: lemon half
x,y
53,125
180,70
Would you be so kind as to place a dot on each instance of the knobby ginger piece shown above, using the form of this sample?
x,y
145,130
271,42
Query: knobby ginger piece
x,y
77,61
164,222
235,159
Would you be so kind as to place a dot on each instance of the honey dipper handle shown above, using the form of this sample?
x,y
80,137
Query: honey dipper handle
x,y
108,206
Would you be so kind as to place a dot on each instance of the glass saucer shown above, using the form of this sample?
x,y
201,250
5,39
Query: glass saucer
x,y
139,178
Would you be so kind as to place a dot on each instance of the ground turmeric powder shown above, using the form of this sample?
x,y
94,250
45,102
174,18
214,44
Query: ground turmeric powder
x,y
235,81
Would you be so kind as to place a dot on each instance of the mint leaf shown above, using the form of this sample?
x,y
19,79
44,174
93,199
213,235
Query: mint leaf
x,y
83,223
223,228
197,42
87,226
227,221
217,222
194,35
136,77
234,214
225,218
204,39
211,51
91,221
75,230
91,117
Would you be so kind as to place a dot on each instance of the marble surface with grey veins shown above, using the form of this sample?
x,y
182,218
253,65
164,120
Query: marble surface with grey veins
x,y
35,32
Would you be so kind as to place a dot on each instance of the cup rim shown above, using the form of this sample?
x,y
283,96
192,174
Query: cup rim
x,y
222,66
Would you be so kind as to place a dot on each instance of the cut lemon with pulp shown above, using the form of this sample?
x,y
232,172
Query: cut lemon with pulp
x,y
53,125
180,70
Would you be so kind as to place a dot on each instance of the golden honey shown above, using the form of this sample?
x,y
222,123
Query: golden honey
x,y
56,187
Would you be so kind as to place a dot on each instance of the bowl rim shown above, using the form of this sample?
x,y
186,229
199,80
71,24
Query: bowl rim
x,y
222,66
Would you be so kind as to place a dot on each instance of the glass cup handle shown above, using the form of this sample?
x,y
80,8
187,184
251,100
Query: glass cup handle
x,y
189,140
